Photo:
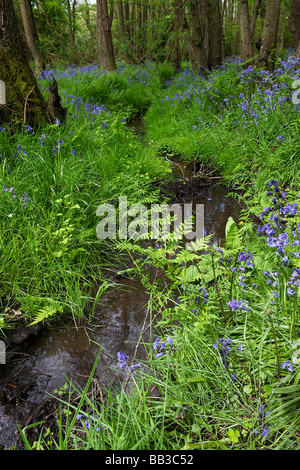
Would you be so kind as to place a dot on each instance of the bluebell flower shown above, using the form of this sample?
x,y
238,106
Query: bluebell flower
x,y
135,366
238,304
160,354
160,346
265,431
123,359
287,365
222,345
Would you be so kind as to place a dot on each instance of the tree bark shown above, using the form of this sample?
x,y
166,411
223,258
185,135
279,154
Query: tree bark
x,y
246,49
294,23
132,28
104,36
267,51
24,100
197,36
215,34
254,16
88,20
176,56
31,35
72,20
127,19
121,20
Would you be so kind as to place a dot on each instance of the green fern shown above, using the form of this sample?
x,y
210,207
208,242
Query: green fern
x,y
44,313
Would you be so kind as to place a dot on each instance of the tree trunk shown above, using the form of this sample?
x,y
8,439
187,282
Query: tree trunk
x,y
132,28
88,20
267,51
254,16
215,33
104,36
31,35
176,56
294,23
72,20
236,41
246,49
121,20
127,19
24,100
197,36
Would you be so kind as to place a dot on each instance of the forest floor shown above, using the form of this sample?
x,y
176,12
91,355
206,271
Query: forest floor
x,y
221,368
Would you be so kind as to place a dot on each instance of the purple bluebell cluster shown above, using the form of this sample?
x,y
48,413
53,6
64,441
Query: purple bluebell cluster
x,y
123,360
286,243
88,109
256,95
223,346
160,346
287,365
72,72
238,305
90,422
262,418
10,190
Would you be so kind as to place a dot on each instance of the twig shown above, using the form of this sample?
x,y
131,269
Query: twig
x,y
174,163
25,104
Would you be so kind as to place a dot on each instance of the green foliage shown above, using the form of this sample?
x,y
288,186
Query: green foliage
x,y
230,120
229,377
220,385
54,179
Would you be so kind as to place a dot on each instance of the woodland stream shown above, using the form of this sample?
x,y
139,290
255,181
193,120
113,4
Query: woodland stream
x,y
43,362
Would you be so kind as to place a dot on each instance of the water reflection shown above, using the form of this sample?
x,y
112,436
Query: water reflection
x,y
116,326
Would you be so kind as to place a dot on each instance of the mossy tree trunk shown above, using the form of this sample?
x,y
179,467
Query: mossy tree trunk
x,y
24,100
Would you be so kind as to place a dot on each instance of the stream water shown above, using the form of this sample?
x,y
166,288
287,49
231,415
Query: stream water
x,y
44,360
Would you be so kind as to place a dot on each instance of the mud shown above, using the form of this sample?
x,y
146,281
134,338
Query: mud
x,y
39,362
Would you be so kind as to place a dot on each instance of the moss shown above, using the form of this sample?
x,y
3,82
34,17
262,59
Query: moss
x,y
24,100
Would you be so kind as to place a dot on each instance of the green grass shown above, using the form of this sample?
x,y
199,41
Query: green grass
x,y
242,119
50,254
230,378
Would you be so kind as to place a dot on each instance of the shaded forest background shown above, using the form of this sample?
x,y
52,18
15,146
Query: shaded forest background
x,y
201,31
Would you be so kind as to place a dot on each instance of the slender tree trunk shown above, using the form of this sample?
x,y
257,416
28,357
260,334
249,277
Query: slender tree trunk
x,y
176,57
236,41
88,20
104,36
24,100
246,50
72,20
139,39
254,16
294,23
132,28
127,19
31,35
121,20
144,29
267,51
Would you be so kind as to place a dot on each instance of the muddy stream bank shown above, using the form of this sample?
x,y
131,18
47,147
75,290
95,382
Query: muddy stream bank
x,y
41,362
